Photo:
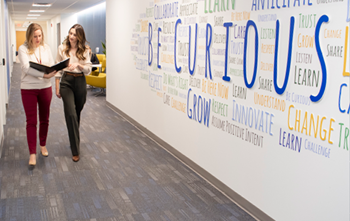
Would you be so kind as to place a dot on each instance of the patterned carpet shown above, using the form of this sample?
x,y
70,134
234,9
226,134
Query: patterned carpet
x,y
122,174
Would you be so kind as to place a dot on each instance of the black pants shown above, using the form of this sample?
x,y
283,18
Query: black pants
x,y
73,93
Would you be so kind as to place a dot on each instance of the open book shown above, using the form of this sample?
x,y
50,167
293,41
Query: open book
x,y
46,69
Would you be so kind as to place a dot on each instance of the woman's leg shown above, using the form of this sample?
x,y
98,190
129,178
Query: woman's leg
x,y
30,100
80,95
44,101
70,114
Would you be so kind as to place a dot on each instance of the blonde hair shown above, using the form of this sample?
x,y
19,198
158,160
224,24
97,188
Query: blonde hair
x,y
30,35
81,42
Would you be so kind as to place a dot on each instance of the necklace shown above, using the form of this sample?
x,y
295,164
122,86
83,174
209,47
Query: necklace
x,y
39,61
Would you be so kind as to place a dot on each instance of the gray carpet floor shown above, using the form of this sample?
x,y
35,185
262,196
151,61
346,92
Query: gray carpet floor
x,y
122,174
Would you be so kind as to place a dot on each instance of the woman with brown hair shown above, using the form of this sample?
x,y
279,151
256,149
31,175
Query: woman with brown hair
x,y
36,88
72,87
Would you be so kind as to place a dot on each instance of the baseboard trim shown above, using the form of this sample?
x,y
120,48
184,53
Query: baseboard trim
x,y
235,197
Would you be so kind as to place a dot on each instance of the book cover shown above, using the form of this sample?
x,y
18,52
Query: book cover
x,y
46,69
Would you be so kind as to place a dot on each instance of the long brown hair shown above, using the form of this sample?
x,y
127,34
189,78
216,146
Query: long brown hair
x,y
81,42
89,50
30,35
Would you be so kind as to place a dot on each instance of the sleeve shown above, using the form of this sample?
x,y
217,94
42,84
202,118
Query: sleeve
x,y
59,58
86,63
24,60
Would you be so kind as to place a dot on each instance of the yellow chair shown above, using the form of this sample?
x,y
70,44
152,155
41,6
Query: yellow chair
x,y
102,59
97,81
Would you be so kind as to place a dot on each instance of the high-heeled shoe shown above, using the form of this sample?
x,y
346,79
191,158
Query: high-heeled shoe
x,y
44,151
32,160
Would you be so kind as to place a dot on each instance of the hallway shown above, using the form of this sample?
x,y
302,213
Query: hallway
x,y
122,174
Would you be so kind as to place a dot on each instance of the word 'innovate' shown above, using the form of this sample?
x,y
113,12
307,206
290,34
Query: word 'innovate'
x,y
252,117
209,37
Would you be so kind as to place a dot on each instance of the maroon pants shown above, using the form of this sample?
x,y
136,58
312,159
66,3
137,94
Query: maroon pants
x,y
32,99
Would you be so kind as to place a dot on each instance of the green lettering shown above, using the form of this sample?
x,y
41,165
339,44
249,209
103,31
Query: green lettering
x,y
346,138
205,6
216,5
341,127
223,5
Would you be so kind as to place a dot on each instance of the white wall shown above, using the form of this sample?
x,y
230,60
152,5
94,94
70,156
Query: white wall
x,y
284,183
67,21
52,34
3,71
12,32
13,39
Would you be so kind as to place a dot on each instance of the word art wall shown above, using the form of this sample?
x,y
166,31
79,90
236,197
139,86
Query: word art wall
x,y
256,92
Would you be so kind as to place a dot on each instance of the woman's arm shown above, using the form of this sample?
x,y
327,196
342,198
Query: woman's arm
x,y
24,60
59,58
85,65
57,86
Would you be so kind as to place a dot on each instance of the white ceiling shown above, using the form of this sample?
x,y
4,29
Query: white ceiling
x,y
19,9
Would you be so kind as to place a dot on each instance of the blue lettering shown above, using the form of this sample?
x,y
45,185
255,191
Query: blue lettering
x,y
256,117
227,25
284,3
207,106
150,48
201,103
271,116
207,52
290,48
233,111
158,65
324,18
194,106
296,1
251,117
189,51
250,23
178,69
340,92
262,4
261,125
189,110
254,5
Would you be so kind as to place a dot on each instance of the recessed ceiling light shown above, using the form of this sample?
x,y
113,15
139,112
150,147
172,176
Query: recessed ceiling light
x,y
32,18
36,10
41,5
33,15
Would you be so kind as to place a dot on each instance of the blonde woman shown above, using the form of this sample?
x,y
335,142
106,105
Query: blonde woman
x,y
36,88
72,87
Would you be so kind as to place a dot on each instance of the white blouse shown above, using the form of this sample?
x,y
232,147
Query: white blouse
x,y
73,59
32,78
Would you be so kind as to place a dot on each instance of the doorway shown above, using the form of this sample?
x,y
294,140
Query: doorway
x,y
20,38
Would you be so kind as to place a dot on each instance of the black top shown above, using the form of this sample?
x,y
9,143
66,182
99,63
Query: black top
x,y
94,60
